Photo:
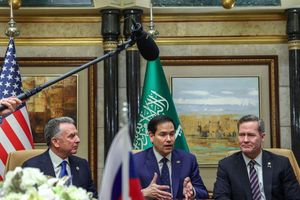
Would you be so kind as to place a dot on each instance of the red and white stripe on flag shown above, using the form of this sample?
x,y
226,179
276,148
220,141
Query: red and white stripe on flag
x,y
15,134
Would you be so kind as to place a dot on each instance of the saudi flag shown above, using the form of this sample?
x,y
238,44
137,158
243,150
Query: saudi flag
x,y
156,100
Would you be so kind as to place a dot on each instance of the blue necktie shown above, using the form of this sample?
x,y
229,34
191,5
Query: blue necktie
x,y
165,174
254,181
63,171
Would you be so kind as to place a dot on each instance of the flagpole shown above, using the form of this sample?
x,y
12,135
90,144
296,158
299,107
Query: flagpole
x,y
125,172
125,157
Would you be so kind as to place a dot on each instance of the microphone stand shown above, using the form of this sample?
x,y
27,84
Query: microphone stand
x,y
31,92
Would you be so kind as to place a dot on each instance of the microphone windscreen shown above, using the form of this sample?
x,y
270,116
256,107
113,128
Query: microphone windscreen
x,y
145,43
147,47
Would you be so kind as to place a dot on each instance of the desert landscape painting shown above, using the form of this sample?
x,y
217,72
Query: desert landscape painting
x,y
209,108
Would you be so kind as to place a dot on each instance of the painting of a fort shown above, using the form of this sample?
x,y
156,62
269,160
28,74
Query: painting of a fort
x,y
209,109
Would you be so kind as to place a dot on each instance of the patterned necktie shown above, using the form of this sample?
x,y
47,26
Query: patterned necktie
x,y
63,171
165,174
254,181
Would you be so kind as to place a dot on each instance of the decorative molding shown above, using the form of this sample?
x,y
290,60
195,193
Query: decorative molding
x,y
193,40
132,48
54,19
262,39
110,45
159,18
193,3
294,45
217,17
52,41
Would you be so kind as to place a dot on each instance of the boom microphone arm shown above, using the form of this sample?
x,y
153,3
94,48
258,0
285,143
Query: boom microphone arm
x,y
31,92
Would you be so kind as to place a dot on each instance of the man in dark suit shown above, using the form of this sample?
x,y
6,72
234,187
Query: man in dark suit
x,y
183,176
62,139
254,173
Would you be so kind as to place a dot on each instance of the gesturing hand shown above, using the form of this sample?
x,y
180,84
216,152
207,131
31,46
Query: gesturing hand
x,y
188,189
11,103
155,191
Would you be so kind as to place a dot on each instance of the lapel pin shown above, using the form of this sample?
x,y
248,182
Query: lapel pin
x,y
269,165
177,161
77,168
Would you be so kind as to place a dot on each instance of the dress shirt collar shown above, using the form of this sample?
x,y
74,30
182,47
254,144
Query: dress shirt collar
x,y
56,160
258,159
159,157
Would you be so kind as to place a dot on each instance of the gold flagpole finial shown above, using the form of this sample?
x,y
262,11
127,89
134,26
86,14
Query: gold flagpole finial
x,y
16,4
228,4
12,30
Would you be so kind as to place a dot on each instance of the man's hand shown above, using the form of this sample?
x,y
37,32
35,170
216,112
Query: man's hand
x,y
188,189
11,103
155,191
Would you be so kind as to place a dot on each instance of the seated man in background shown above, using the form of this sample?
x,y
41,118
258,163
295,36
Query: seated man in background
x,y
165,172
62,139
254,173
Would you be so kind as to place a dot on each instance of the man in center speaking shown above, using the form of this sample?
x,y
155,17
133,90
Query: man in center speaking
x,y
165,172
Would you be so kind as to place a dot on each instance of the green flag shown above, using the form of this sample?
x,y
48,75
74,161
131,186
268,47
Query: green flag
x,y
156,100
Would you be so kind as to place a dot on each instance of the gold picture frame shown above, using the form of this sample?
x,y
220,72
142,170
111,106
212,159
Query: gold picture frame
x,y
263,67
86,110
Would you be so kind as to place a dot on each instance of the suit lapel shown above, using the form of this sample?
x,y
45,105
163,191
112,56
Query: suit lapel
x,y
267,174
151,165
241,169
176,169
47,165
74,171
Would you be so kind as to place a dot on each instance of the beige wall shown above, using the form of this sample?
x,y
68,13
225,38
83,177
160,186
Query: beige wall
x,y
180,35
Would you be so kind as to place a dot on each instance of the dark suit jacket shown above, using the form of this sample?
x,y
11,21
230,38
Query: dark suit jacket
x,y
183,165
81,173
278,178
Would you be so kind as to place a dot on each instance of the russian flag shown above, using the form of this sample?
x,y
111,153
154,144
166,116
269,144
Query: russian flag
x,y
119,180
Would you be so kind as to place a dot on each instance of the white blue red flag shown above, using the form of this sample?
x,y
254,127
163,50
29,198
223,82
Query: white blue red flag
x,y
119,180
15,131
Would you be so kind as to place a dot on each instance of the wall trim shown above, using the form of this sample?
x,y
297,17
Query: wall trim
x,y
193,40
158,18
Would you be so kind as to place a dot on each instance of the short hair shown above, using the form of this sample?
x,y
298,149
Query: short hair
x,y
158,119
52,127
252,118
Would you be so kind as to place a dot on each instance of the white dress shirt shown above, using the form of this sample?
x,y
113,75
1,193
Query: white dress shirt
x,y
56,161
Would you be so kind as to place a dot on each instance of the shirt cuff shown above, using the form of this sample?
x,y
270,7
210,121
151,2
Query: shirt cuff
x,y
194,196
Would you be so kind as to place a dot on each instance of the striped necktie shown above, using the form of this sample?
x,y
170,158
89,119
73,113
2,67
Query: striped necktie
x,y
256,195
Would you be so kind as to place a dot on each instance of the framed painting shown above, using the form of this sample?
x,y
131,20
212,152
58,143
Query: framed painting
x,y
74,96
212,93
61,99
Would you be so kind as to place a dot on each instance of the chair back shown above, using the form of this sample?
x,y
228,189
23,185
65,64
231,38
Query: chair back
x,y
283,152
17,158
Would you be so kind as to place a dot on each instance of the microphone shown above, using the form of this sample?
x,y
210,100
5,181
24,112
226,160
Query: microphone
x,y
145,43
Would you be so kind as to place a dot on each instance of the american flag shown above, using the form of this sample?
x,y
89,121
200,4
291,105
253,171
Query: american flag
x,y
15,131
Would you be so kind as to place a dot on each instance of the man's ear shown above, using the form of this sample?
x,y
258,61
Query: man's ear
x,y
263,136
151,135
55,142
